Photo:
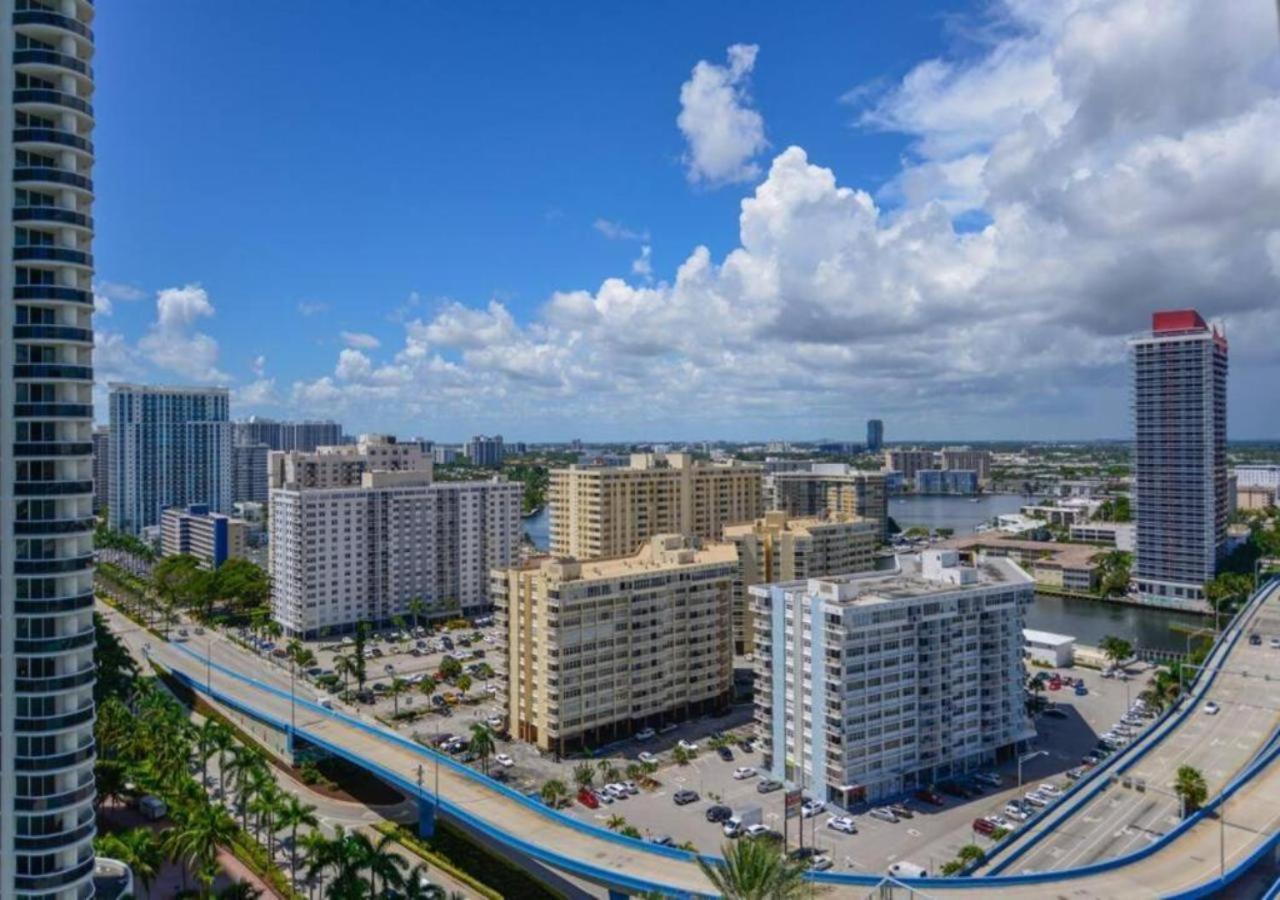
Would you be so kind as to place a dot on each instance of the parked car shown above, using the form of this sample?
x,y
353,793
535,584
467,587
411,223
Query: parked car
x,y
1050,790
990,779
669,727
726,754
746,746
883,813
842,823
767,786
757,831
982,826
1211,708
604,797
1015,812
821,863
646,757
1036,799
955,789
1075,774
744,772
719,813
685,796
630,786
616,791
687,745
1275,643
732,827
504,760
1255,639
588,799
811,808
931,797
645,734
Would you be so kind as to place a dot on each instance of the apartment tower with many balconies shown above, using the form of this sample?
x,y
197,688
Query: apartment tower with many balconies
x,y
1180,495
46,477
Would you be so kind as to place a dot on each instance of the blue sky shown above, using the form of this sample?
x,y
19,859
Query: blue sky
x,y
370,210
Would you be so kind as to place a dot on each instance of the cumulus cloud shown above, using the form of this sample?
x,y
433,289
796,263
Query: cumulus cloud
x,y
310,308
723,132
174,344
360,340
616,231
1120,153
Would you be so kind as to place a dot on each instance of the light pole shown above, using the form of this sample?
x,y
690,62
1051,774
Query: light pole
x,y
1027,757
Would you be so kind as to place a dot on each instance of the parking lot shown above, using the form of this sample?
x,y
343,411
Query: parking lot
x,y
930,837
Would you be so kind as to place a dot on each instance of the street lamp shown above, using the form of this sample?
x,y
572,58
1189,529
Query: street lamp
x,y
1027,757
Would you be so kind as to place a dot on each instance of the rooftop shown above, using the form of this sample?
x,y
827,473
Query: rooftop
x,y
1072,555
661,552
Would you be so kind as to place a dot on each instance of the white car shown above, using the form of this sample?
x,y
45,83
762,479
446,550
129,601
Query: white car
x,y
617,791
504,760
630,786
688,746
812,807
1050,790
999,822
647,757
1037,799
494,721
743,772
884,814
821,863
1211,708
645,734
1275,642
1015,813
842,823
732,827
756,830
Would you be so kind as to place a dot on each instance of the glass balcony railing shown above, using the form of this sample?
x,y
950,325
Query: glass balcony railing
x,y
53,333
53,254
52,98
52,292
54,20
52,58
53,371
51,136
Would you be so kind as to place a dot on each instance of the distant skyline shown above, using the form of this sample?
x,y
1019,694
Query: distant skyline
x,y
733,221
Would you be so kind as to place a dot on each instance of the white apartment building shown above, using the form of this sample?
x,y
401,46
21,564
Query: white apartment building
x,y
593,650
351,542
1115,534
47,669
871,684
1261,476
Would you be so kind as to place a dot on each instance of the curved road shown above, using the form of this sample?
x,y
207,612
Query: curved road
x,y
1190,860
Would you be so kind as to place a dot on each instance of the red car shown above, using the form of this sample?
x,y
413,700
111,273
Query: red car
x,y
982,826
588,799
930,797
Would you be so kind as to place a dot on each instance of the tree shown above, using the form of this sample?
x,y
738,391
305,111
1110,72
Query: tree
x,y
294,814
450,668
481,744
138,848
1191,789
346,667
1115,649
378,860
360,669
971,853
944,533
398,686
1114,572
616,822
211,738
416,885
1227,590
584,775
416,609
553,792
756,870
427,686
464,684
681,756
199,830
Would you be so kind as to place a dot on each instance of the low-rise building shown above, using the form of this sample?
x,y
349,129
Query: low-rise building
x,y
1066,567
778,548
1047,648
212,538
872,684
593,650
1112,534
1255,497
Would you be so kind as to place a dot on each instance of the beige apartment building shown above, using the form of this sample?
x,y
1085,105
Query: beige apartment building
x,y
210,537
591,651
777,548
834,488
965,459
908,462
344,464
605,511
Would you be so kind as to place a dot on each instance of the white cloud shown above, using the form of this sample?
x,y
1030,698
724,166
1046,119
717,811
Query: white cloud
x,y
173,344
642,265
724,133
115,290
1121,153
259,392
360,340
101,304
310,308
616,231
259,365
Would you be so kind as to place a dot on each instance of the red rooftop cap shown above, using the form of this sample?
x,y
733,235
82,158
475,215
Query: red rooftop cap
x,y
1177,320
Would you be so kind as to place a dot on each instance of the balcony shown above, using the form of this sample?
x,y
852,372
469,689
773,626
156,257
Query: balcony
x,y
53,254
53,333
43,97
53,411
55,841
54,723
51,488
55,526
47,175
53,20
52,58
56,683
56,371
56,880
53,605
54,567
51,136
52,292
58,761
53,448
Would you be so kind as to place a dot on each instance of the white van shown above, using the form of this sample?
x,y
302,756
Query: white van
x,y
325,701
906,869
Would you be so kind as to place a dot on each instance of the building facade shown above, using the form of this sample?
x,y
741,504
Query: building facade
x,y
212,538
47,752
872,684
875,435
1114,534
305,436
1257,476
354,538
966,459
778,548
485,451
834,488
249,473
962,482
601,511
170,446
592,651
101,469
1180,501
909,462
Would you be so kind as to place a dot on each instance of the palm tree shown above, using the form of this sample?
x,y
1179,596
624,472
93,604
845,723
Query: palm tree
x,y
346,667
241,890
583,775
553,791
1191,789
427,686
265,806
319,853
616,822
481,744
416,608
138,848
635,772
378,860
293,814
971,853
1115,649
603,766
464,685
681,756
398,686
207,741
197,834
756,870
259,792
111,778
613,773
416,886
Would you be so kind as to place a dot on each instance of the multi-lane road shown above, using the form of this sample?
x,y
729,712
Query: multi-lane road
x,y
1116,823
